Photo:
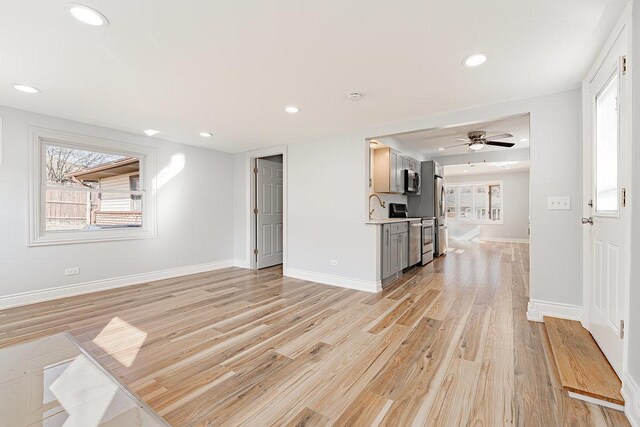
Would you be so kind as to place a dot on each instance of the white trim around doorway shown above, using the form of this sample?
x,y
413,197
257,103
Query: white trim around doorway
x,y
250,161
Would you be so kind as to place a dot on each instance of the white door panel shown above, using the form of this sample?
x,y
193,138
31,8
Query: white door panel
x,y
269,200
606,176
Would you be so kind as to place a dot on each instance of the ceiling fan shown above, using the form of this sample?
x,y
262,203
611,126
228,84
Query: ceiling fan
x,y
477,140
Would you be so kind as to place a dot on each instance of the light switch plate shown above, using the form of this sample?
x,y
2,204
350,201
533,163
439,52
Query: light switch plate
x,y
559,203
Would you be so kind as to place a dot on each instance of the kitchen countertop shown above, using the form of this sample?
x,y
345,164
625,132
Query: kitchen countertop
x,y
391,220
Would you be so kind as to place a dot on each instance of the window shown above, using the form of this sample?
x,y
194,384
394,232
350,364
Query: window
x,y
607,122
87,189
474,203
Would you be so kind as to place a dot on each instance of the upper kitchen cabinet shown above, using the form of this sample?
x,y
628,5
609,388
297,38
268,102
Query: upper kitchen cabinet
x,y
410,164
387,171
388,165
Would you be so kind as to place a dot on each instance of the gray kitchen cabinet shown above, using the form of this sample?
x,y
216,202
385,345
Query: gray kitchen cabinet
x,y
403,250
387,171
410,163
395,248
395,253
386,250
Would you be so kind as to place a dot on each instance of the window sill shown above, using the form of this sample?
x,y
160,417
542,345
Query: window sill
x,y
75,238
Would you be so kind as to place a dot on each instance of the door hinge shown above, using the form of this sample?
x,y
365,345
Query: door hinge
x,y
622,329
255,170
255,211
624,197
623,65
255,251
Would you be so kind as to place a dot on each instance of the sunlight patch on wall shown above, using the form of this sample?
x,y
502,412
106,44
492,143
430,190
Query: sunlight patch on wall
x,y
175,166
121,341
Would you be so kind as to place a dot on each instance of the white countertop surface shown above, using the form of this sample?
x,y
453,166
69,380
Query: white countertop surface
x,y
391,220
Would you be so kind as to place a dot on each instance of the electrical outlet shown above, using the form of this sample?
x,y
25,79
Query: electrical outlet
x,y
71,271
333,262
559,203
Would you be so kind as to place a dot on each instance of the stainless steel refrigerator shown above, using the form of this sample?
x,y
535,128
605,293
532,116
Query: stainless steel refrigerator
x,y
442,232
432,203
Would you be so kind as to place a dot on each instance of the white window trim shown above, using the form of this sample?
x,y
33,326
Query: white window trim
x,y
475,221
37,233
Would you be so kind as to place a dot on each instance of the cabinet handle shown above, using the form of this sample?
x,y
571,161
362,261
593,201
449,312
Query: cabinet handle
x,y
387,236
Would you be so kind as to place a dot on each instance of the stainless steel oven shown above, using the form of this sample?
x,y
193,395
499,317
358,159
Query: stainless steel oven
x,y
428,239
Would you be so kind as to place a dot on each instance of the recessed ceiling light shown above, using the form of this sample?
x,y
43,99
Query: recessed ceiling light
x,y
206,134
523,140
151,132
441,148
373,142
474,60
291,109
86,15
354,96
25,88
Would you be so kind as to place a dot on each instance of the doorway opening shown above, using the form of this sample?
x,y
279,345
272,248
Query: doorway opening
x,y
471,179
267,211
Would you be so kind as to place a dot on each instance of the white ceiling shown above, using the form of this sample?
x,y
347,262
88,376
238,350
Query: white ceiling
x,y
485,168
425,143
230,67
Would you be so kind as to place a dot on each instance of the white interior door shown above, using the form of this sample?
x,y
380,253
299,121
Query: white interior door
x,y
607,218
269,193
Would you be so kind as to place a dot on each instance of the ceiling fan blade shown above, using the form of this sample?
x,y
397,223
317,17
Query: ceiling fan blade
x,y
457,145
463,139
500,144
501,136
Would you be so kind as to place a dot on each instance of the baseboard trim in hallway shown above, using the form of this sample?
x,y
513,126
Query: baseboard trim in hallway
x,y
32,297
333,280
537,309
631,394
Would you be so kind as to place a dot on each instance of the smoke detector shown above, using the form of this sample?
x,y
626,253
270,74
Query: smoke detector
x,y
354,96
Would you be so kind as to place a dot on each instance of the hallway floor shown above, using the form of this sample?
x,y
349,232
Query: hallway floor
x,y
447,344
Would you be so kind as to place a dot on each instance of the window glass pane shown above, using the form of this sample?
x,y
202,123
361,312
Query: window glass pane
x,y
481,200
451,202
69,210
84,168
607,148
466,202
496,202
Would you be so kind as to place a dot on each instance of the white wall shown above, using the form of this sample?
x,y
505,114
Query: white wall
x,y
515,199
193,216
328,191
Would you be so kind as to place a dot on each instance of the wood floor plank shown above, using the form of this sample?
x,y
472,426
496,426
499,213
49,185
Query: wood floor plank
x,y
581,365
446,344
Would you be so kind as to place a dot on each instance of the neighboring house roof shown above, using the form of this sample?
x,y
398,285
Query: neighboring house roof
x,y
120,167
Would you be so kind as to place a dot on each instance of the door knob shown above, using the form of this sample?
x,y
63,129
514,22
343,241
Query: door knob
x,y
587,220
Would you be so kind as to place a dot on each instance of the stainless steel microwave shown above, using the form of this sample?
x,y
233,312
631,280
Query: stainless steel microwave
x,y
411,182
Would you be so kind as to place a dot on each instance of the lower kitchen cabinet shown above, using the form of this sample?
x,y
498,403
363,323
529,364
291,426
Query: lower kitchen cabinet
x,y
395,248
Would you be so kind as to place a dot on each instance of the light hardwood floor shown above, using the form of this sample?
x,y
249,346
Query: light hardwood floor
x,y
447,345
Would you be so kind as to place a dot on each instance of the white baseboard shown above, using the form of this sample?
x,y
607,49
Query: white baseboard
x,y
241,263
537,309
32,297
631,394
329,279
503,240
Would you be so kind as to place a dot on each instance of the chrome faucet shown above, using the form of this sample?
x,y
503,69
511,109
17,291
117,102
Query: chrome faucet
x,y
379,201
